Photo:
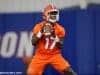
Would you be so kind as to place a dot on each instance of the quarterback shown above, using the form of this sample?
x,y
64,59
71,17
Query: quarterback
x,y
47,39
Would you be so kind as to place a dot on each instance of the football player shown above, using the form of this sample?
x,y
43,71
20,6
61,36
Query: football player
x,y
48,38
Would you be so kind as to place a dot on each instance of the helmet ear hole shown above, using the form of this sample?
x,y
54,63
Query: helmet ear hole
x,y
44,17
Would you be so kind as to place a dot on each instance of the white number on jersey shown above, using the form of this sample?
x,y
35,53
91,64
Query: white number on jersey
x,y
52,45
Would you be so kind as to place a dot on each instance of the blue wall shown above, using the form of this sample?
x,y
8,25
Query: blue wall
x,y
81,45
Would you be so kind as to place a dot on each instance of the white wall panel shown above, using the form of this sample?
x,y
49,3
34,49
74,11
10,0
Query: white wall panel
x,y
8,6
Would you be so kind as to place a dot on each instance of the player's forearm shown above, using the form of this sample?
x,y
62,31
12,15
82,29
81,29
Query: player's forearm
x,y
59,42
36,37
34,40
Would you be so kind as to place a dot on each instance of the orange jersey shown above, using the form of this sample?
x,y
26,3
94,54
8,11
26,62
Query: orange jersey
x,y
46,45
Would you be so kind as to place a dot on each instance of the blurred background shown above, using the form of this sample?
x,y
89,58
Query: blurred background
x,y
81,18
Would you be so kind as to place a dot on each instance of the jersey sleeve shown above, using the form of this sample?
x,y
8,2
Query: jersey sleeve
x,y
61,32
36,29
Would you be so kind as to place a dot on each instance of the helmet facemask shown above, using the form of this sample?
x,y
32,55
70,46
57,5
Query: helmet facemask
x,y
53,16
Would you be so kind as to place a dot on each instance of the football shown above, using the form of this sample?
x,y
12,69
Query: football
x,y
48,29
